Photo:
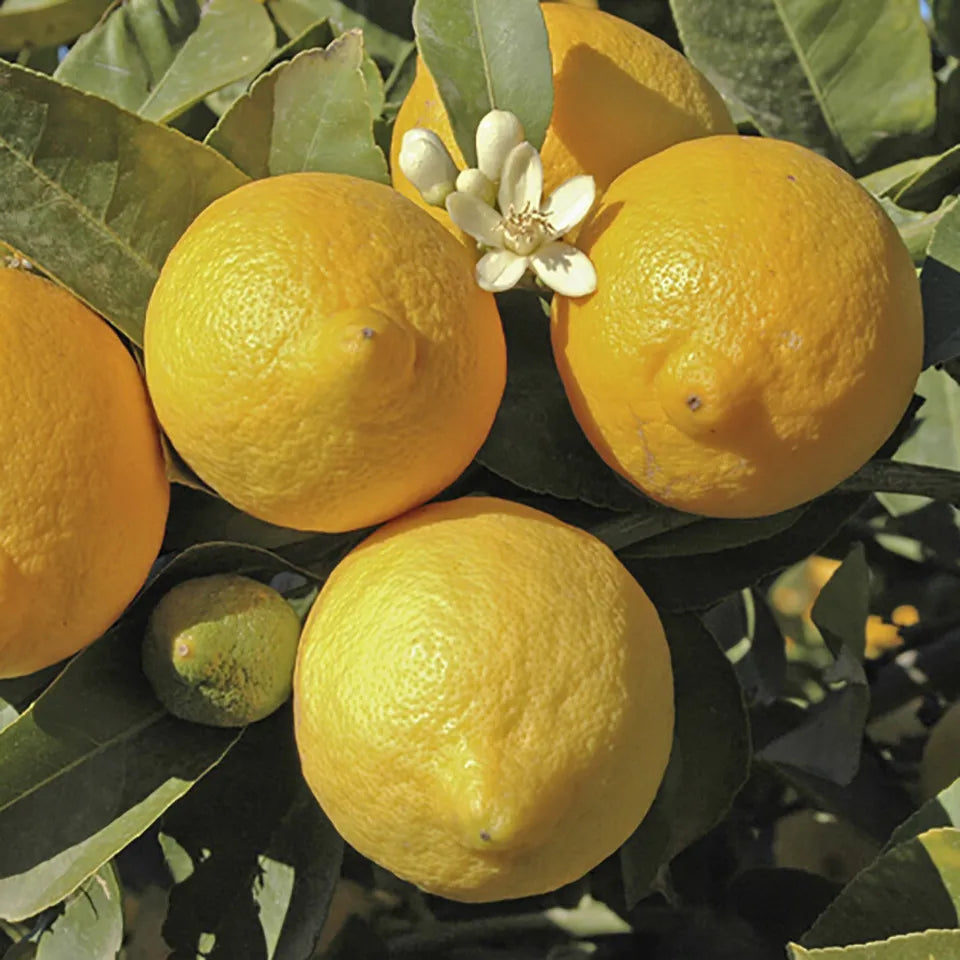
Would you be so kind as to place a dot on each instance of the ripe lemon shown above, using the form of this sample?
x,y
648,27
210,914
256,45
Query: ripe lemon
x,y
619,94
84,495
483,700
220,650
756,332
319,353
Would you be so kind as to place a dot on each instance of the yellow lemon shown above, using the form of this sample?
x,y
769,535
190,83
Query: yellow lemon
x,y
84,496
319,353
756,332
483,700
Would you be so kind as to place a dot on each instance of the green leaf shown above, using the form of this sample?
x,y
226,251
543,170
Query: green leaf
x,y
913,887
42,23
261,869
946,24
485,56
916,226
91,924
96,196
887,181
837,77
708,535
840,610
97,759
318,34
535,441
386,27
709,762
929,945
16,693
940,287
311,113
943,810
936,440
159,57
927,187
694,582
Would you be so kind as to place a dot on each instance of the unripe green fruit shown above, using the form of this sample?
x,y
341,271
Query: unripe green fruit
x,y
220,650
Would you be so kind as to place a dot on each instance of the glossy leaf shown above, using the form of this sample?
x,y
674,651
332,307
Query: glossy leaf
x,y
311,113
709,762
260,871
387,31
159,57
940,287
97,759
43,23
936,440
913,887
838,77
943,810
535,441
694,582
91,924
484,56
96,196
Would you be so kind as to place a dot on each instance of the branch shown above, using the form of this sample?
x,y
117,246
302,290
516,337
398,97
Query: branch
x,y
891,476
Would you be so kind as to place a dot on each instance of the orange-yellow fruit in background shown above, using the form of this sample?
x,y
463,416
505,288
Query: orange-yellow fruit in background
x,y
84,494
756,332
483,700
619,94
319,353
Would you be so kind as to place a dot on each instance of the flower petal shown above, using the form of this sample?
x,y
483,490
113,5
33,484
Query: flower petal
x,y
475,217
500,270
521,180
570,203
565,269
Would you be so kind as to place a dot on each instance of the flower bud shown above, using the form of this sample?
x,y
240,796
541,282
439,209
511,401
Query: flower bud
x,y
474,182
427,164
497,134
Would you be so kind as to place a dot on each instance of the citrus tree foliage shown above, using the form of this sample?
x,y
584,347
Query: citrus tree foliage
x,y
792,815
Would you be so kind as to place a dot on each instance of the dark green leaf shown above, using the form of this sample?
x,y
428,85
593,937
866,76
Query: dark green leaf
x,y
841,608
96,196
485,56
159,57
535,441
943,810
91,924
698,581
96,759
929,945
387,30
838,77
311,113
41,23
940,286
17,693
946,24
707,535
263,857
709,762
913,887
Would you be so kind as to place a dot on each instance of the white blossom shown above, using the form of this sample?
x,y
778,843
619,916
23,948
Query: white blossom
x,y
524,233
